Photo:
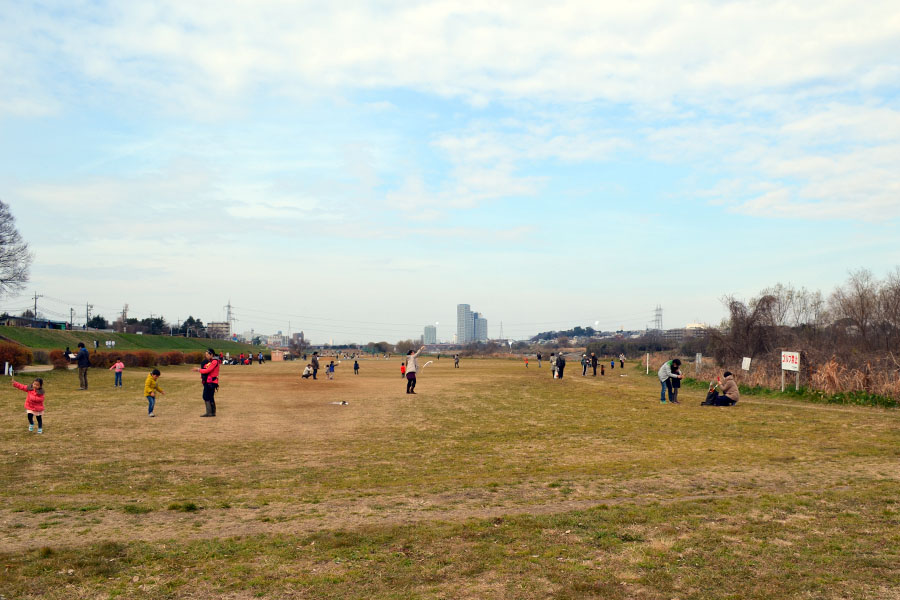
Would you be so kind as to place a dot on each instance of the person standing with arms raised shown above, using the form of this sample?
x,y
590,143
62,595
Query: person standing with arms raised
x,y
412,365
209,375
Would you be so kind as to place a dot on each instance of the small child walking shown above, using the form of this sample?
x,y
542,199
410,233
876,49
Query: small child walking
x,y
151,387
34,402
118,367
329,370
403,370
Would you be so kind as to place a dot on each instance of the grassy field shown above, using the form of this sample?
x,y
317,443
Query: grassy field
x,y
50,339
492,482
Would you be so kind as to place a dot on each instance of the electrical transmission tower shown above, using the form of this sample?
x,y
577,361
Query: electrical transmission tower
x,y
657,318
229,317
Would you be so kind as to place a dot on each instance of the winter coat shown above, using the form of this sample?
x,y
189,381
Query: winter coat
x,y
151,386
665,371
35,399
412,365
84,359
209,373
730,388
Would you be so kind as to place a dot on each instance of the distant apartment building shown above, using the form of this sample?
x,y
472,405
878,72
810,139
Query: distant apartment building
x,y
470,326
480,328
219,331
430,335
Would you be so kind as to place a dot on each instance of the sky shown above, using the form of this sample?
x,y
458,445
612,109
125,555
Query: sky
x,y
356,170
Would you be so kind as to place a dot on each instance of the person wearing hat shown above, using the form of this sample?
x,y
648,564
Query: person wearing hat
x,y
560,365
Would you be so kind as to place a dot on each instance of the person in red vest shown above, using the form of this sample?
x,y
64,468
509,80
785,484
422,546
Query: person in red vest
x,y
209,375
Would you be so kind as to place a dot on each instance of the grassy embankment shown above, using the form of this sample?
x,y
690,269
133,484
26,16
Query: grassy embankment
x,y
492,482
50,339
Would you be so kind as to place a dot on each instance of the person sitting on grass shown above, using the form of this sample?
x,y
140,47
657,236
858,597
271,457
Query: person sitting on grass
x,y
729,388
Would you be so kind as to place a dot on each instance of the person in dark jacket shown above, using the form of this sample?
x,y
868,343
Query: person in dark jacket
x,y
84,363
594,362
560,365
315,364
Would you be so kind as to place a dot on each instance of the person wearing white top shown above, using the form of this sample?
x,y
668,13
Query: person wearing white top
x,y
412,365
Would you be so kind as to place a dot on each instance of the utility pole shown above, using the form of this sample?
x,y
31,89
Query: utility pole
x,y
35,303
71,317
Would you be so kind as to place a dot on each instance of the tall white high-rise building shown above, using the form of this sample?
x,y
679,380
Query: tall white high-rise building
x,y
470,326
465,324
430,336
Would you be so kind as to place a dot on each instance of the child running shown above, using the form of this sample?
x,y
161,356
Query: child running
x,y
34,402
151,386
118,367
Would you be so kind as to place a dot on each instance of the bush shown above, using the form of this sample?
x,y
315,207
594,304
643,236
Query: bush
x,y
146,358
194,358
131,359
41,357
14,354
57,354
60,363
171,358
101,360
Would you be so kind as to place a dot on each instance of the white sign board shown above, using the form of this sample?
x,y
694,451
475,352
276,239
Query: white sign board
x,y
698,358
790,361
745,364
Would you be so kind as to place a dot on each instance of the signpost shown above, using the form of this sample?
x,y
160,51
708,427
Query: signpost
x,y
698,361
790,361
745,364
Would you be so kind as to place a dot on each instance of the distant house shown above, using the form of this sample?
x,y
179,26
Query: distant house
x,y
9,321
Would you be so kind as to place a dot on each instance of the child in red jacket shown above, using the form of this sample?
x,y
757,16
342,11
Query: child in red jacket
x,y
34,402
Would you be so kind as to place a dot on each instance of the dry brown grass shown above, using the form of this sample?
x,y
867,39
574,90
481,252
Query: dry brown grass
x,y
494,481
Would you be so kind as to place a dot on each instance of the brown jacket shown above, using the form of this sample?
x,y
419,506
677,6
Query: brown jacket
x,y
729,388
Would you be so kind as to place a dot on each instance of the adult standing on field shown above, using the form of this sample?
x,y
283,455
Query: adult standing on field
x,y
412,365
315,363
539,357
667,370
209,375
84,363
560,364
594,362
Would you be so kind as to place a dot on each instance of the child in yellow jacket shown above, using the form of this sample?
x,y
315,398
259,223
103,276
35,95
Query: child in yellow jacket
x,y
151,386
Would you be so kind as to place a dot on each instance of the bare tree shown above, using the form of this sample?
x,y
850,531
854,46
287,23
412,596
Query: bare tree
x,y
857,303
15,259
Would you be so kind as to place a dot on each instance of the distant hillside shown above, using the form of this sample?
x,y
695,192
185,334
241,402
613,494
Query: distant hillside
x,y
49,339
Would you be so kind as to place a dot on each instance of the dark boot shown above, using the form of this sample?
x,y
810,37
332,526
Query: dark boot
x,y
212,404
208,413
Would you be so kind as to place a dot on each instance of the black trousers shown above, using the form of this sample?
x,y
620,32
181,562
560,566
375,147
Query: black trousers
x,y
209,392
559,371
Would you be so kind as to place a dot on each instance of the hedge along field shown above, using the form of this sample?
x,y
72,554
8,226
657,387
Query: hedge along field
x,y
49,339
493,481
